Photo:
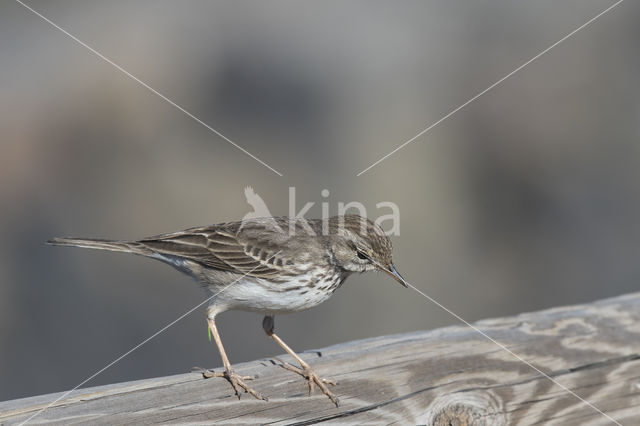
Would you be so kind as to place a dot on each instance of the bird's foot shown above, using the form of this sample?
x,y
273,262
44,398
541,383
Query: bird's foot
x,y
312,379
237,382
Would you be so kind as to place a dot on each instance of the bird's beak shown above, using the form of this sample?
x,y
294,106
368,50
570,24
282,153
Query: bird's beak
x,y
393,272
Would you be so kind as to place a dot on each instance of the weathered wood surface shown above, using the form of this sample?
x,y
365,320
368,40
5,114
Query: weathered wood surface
x,y
450,376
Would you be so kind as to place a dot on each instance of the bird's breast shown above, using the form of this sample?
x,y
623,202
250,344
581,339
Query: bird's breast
x,y
292,294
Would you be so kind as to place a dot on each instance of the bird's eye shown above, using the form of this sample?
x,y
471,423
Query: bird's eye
x,y
361,255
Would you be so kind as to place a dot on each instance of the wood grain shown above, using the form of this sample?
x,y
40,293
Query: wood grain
x,y
449,376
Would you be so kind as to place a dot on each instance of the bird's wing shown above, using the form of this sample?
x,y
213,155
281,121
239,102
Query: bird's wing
x,y
220,248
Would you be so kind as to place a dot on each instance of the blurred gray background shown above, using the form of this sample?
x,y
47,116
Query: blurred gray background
x,y
528,198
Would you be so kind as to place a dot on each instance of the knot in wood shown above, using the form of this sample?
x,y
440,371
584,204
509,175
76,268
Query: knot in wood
x,y
469,408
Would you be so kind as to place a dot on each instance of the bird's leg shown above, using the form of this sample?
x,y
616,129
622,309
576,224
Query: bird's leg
x,y
268,324
235,379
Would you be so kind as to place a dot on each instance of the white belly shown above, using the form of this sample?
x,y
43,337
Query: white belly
x,y
265,297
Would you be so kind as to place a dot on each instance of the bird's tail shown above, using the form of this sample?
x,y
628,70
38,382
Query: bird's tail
x,y
123,246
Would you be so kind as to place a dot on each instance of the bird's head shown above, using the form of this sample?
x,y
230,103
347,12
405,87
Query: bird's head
x,y
359,245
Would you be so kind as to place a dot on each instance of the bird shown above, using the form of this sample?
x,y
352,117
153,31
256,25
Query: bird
x,y
252,265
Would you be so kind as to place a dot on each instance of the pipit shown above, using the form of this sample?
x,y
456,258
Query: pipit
x,y
271,266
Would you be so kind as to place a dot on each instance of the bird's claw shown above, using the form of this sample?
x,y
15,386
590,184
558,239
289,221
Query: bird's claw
x,y
237,382
312,380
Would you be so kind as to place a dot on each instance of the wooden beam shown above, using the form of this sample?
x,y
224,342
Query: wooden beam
x,y
449,376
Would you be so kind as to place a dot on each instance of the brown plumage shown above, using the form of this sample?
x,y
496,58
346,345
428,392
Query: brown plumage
x,y
267,265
